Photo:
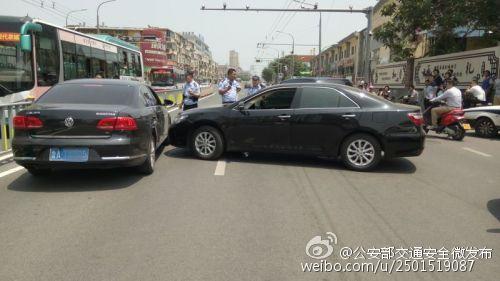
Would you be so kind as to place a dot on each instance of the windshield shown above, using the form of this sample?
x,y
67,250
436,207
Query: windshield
x,y
162,78
89,94
16,72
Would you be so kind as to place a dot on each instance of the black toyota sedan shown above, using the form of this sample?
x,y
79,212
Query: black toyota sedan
x,y
315,119
91,123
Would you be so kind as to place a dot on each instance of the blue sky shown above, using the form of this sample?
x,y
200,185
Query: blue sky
x,y
222,31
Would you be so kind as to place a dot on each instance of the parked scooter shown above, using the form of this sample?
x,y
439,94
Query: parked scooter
x,y
451,123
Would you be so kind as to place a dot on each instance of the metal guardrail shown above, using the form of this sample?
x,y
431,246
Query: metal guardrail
x,y
7,112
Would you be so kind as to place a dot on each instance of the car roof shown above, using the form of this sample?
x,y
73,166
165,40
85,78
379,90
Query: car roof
x,y
103,82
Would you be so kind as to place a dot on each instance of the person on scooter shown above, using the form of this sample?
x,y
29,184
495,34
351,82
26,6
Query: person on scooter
x,y
453,99
474,95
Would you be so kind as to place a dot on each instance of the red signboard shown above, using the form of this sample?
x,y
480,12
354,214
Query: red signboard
x,y
153,48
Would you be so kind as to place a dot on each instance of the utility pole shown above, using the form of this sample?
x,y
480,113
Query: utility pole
x,y
367,11
292,70
319,48
74,11
98,7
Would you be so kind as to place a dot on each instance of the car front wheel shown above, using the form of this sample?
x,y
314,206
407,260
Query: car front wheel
x,y
361,152
207,143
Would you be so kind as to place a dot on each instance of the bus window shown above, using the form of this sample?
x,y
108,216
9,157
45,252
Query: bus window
x,y
98,62
69,60
134,65
138,67
111,60
47,56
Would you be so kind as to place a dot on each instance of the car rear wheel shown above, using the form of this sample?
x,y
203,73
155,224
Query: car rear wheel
x,y
485,128
361,152
207,143
148,166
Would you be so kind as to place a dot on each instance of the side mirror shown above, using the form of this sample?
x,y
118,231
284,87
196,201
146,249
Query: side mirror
x,y
26,43
168,102
240,106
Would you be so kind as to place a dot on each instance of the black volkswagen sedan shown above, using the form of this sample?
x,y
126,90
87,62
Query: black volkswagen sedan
x,y
316,119
91,123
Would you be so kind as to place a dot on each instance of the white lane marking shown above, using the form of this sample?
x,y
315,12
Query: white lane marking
x,y
172,110
220,169
13,170
477,152
6,156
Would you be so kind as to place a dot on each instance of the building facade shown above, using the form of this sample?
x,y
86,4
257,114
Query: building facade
x,y
165,47
234,60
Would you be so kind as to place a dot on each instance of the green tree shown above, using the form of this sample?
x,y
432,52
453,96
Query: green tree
x,y
441,19
284,65
268,74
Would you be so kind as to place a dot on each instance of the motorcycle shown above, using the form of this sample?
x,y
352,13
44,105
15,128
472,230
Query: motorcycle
x,y
451,123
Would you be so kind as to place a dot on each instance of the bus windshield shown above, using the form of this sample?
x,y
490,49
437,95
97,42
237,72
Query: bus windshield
x,y
162,78
16,71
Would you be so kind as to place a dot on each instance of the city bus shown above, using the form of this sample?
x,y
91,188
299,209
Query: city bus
x,y
166,78
35,55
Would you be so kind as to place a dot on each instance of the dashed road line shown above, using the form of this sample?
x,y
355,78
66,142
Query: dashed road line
x,y
6,156
476,152
220,169
11,171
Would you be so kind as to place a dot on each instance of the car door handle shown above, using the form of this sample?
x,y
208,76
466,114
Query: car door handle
x,y
284,116
349,115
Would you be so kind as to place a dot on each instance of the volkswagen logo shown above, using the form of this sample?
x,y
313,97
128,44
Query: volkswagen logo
x,y
69,122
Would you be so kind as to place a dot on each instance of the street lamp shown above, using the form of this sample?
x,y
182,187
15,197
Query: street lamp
x,y
74,11
98,7
293,51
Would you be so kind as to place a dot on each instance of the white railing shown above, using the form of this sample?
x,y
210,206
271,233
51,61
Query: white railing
x,y
7,113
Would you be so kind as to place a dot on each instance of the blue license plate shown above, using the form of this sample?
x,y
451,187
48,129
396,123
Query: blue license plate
x,y
69,154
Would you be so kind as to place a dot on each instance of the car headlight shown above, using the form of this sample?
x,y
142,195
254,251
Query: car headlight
x,y
180,118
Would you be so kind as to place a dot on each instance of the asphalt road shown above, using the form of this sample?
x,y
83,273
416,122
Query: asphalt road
x,y
247,218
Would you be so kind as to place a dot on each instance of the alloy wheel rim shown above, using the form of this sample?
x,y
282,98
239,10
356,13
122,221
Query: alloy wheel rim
x,y
152,154
360,152
485,127
205,143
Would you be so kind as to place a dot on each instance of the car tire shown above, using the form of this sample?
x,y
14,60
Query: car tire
x,y
361,152
148,166
37,172
485,128
207,143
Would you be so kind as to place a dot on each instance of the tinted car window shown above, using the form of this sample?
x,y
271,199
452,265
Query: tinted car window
x,y
277,99
90,94
318,98
148,97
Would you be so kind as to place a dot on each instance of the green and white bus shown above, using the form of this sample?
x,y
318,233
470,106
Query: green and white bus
x,y
35,55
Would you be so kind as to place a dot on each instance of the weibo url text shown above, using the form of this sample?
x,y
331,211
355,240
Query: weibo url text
x,y
390,266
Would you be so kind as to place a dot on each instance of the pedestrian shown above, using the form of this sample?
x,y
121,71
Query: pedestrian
x,y
496,99
191,93
474,94
387,92
229,88
413,96
256,86
487,85
437,80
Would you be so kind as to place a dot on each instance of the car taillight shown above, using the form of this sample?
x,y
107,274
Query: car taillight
x,y
117,124
27,122
416,118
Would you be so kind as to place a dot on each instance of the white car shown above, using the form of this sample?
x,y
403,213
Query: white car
x,y
485,120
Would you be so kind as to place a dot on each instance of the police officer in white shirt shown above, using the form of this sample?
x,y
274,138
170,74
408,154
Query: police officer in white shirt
x,y
190,93
453,99
256,86
474,95
229,88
